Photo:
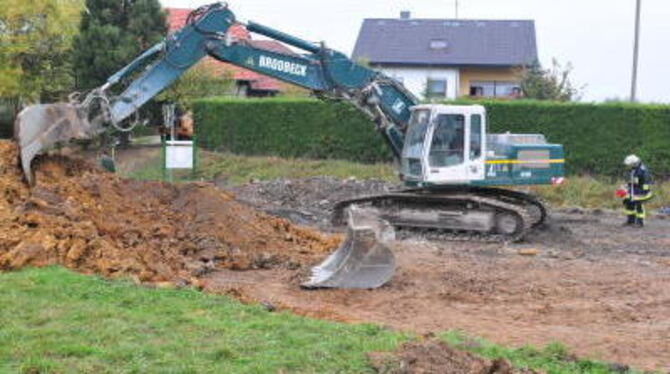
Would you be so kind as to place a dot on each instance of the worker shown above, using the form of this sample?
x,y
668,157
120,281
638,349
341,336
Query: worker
x,y
638,190
185,126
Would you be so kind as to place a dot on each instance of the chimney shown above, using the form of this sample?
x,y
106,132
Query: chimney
x,y
405,14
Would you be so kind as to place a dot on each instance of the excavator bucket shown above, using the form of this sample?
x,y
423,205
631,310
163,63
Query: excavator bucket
x,y
362,261
39,127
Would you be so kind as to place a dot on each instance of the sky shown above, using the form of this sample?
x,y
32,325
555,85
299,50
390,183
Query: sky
x,y
595,36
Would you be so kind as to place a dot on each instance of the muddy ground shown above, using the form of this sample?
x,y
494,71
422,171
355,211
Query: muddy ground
x,y
433,356
583,280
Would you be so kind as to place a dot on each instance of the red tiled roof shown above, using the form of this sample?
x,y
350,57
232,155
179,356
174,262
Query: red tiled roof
x,y
273,46
177,19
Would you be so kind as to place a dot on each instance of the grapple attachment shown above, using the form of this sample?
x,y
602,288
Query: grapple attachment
x,y
362,261
39,127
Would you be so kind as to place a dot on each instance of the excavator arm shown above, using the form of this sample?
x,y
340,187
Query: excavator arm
x,y
363,261
326,72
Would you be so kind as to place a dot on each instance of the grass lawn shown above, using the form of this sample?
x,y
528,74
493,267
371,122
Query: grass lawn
x,y
237,169
57,321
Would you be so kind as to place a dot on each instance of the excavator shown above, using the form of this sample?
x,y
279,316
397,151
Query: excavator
x,y
457,176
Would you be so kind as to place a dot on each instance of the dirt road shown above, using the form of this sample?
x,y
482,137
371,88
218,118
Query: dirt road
x,y
584,281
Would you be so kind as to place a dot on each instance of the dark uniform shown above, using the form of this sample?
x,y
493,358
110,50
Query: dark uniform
x,y
639,192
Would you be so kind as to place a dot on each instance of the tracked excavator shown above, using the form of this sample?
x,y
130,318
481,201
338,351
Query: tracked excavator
x,y
457,175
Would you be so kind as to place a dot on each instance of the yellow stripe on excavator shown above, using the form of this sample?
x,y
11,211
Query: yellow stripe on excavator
x,y
551,161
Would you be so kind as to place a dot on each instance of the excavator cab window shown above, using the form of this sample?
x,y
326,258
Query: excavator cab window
x,y
416,134
447,146
475,136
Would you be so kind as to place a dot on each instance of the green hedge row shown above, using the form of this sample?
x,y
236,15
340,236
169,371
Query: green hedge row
x,y
596,137
288,128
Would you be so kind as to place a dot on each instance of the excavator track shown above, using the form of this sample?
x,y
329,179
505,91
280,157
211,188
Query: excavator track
x,y
458,214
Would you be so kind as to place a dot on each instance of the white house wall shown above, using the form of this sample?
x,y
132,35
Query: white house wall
x,y
415,78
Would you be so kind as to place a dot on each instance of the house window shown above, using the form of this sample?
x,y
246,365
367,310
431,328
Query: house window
x,y
436,88
495,89
437,44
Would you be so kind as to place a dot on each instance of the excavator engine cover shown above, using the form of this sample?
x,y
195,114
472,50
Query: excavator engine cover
x,y
39,127
363,260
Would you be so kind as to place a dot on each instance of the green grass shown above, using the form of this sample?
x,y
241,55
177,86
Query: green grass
x,y
578,191
552,359
590,192
56,321
236,170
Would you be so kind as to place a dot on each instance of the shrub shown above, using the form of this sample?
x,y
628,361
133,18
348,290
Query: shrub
x,y
288,128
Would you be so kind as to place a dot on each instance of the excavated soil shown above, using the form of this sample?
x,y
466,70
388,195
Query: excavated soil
x,y
93,222
436,357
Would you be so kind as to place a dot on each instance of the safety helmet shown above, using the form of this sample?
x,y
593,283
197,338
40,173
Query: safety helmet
x,y
631,161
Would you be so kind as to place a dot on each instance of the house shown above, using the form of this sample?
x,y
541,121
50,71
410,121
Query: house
x,y
449,58
247,83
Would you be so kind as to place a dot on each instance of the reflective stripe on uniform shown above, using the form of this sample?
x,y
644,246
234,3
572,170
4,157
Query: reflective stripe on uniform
x,y
644,197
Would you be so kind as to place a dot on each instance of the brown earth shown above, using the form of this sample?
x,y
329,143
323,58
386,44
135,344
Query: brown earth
x,y
97,223
436,357
583,280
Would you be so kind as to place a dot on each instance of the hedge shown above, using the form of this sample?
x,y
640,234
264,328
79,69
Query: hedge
x,y
288,128
596,137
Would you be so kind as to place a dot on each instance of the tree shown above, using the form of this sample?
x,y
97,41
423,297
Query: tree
x,y
35,58
202,80
548,84
113,33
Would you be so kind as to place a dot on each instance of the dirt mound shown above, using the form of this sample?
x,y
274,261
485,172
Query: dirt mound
x,y
95,222
436,357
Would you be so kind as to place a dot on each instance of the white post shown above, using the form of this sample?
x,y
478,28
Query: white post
x,y
636,50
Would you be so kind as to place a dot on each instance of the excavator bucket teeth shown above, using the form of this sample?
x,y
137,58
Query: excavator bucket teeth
x,y
362,261
39,127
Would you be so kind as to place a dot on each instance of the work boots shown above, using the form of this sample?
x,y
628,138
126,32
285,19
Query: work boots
x,y
639,223
630,221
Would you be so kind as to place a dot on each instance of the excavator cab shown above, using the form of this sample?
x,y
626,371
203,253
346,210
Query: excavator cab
x,y
445,145
449,145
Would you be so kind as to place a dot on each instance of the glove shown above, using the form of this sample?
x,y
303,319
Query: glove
x,y
621,193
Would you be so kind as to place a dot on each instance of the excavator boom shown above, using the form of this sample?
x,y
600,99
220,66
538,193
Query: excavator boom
x,y
363,261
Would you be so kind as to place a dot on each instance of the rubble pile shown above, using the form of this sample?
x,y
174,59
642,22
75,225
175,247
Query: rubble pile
x,y
94,222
